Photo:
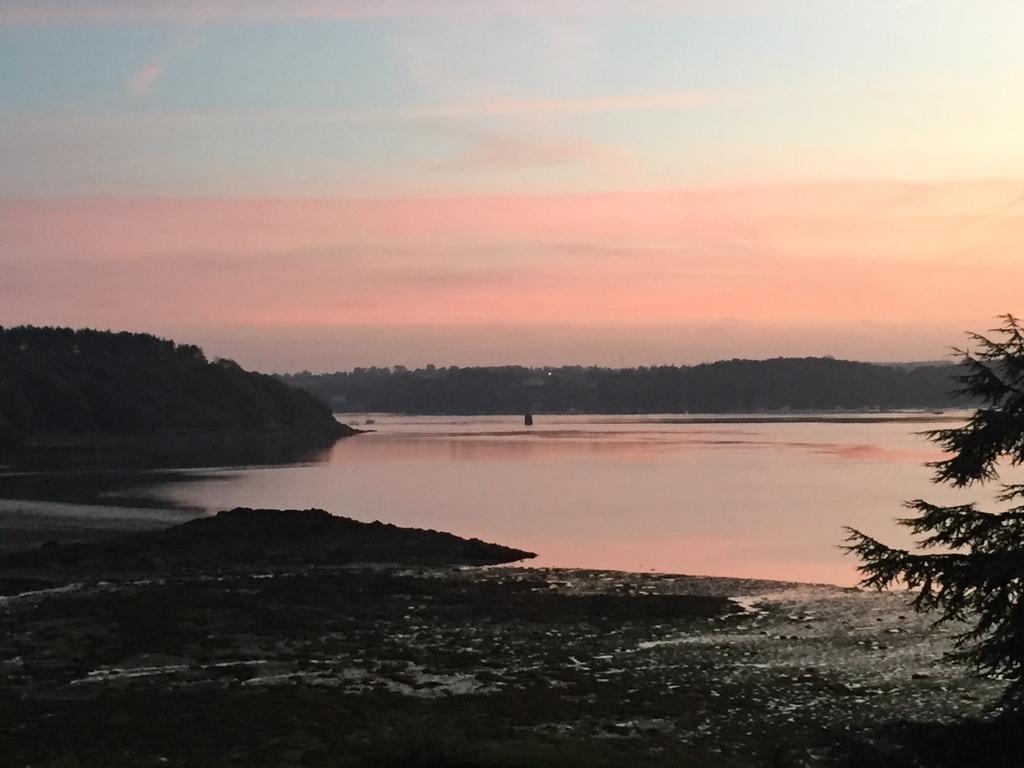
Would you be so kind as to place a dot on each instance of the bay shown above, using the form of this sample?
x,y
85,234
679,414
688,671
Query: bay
x,y
747,496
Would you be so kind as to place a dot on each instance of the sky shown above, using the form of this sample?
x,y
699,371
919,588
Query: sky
x,y
324,184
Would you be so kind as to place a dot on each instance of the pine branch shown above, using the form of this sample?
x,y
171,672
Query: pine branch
x,y
978,572
961,526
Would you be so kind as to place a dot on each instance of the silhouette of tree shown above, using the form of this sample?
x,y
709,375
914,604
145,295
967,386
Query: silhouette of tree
x,y
75,387
970,563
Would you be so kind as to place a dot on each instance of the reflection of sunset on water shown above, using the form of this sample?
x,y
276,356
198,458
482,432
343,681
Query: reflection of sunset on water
x,y
880,453
609,443
760,499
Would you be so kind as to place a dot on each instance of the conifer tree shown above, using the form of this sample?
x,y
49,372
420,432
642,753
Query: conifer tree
x,y
969,565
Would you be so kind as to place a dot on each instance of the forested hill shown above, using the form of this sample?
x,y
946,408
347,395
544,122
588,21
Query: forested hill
x,y
69,397
722,387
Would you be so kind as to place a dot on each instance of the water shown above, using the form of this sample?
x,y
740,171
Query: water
x,y
765,500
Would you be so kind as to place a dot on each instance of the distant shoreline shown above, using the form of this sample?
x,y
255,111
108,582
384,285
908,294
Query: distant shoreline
x,y
779,417
742,386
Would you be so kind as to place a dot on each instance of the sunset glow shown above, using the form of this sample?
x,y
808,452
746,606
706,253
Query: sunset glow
x,y
328,184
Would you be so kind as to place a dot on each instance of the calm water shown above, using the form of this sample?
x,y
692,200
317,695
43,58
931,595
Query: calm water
x,y
636,493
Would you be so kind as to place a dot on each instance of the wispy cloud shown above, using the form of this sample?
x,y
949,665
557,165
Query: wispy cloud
x,y
319,151
513,153
507,107
805,255
664,101
478,261
141,81
43,12
832,221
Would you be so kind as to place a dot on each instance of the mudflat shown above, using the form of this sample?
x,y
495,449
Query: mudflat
x,y
278,664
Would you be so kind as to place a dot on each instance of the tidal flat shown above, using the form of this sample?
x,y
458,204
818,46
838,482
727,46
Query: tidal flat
x,y
365,665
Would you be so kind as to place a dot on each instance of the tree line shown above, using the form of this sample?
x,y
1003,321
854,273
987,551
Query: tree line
x,y
815,383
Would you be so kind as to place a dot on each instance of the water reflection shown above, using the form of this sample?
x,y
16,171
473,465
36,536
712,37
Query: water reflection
x,y
762,499
758,500
511,447
565,444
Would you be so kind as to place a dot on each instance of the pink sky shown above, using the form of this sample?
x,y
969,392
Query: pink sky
x,y
328,183
778,261
51,12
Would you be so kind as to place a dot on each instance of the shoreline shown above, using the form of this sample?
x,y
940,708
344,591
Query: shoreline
x,y
719,671
27,524
910,416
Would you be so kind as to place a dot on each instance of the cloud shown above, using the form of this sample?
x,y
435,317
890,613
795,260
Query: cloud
x,y
508,153
805,256
512,107
441,112
831,221
69,12
143,80
444,57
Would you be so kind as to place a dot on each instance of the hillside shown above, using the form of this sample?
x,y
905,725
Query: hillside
x,y
83,397
727,386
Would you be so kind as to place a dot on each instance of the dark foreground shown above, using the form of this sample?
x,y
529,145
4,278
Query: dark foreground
x,y
256,639
271,664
